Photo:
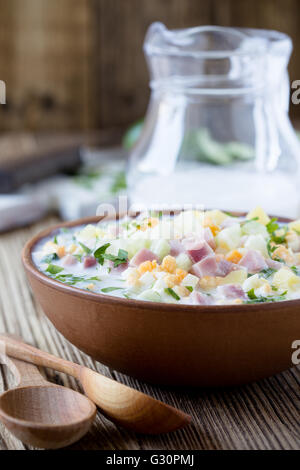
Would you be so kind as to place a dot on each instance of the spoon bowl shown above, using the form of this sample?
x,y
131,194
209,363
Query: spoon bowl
x,y
121,404
42,414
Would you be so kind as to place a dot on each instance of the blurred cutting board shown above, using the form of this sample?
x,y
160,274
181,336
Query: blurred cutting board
x,y
27,158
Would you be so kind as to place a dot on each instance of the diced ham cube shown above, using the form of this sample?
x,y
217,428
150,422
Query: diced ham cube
x,y
273,264
69,260
143,255
225,267
232,291
253,261
89,262
198,250
208,266
176,248
198,298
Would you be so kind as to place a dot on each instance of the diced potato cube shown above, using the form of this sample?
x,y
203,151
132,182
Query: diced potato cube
x,y
50,247
229,238
254,282
257,242
260,214
181,291
235,277
147,280
188,221
295,225
293,241
160,284
88,232
286,279
190,280
217,216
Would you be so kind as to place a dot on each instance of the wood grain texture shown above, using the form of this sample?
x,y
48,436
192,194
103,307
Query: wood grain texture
x,y
79,64
125,406
43,414
263,415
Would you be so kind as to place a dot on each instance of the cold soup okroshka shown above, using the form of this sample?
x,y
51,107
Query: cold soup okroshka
x,y
194,258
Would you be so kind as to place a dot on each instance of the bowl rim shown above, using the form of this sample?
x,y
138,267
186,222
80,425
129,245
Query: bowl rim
x,y
133,303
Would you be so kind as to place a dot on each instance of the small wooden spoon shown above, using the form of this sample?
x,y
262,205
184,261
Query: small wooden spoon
x,y
43,414
121,404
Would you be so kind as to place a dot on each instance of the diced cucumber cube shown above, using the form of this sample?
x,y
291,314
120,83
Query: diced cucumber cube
x,y
150,295
135,245
160,248
183,261
254,228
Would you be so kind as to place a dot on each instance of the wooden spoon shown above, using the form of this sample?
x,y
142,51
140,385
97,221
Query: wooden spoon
x,y
43,414
121,404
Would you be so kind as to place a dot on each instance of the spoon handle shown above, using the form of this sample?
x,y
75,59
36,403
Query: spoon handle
x,y
25,352
25,374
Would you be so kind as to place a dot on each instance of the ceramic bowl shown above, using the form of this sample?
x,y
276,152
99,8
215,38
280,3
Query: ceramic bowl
x,y
166,343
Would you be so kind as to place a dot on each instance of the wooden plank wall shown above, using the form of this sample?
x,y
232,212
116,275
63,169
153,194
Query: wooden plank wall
x,y
78,64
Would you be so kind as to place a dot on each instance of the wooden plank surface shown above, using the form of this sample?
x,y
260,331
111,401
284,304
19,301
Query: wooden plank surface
x,y
80,64
262,415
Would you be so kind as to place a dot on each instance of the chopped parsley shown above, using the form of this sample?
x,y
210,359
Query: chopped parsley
x,y
54,269
110,289
85,248
254,299
272,226
99,253
190,288
118,259
172,293
71,279
294,269
55,240
280,238
121,257
271,248
126,295
266,273
248,220
49,258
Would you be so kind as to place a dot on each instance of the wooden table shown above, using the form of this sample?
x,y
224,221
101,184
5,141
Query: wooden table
x,y
264,415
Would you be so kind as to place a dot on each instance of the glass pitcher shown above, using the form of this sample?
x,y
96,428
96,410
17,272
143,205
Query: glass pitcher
x,y
217,130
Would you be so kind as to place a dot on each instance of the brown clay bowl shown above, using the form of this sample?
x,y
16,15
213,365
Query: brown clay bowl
x,y
166,343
